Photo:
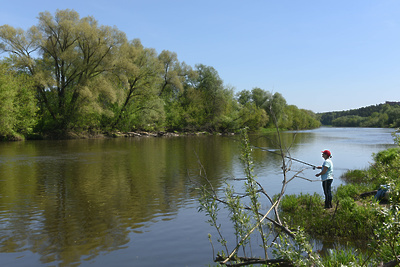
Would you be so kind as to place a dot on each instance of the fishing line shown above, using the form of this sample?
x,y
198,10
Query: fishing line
x,y
279,154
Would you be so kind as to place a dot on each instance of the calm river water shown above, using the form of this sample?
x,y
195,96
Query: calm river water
x,y
130,201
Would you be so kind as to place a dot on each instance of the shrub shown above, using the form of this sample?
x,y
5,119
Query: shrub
x,y
387,156
348,191
354,176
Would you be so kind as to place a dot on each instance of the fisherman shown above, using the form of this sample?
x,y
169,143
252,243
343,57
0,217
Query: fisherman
x,y
326,177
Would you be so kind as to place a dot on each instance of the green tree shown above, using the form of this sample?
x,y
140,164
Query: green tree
x,y
211,86
298,119
377,119
89,77
394,116
260,97
244,97
382,115
174,76
17,104
251,114
138,79
193,109
348,121
227,120
273,104
276,106
206,101
74,54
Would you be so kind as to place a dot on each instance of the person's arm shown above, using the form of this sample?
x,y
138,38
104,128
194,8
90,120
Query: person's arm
x,y
324,170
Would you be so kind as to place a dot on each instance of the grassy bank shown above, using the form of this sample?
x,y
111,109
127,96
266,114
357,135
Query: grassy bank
x,y
356,214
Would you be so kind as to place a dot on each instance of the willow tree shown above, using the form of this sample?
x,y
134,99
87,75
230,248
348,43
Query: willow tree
x,y
206,101
67,56
260,97
138,78
298,119
174,76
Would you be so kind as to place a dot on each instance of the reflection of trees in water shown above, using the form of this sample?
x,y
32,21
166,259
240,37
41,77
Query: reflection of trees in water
x,y
84,197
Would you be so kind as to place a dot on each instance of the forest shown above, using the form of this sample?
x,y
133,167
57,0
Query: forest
x,y
385,115
71,75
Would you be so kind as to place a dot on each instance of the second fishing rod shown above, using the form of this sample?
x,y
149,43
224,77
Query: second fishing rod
x,y
276,153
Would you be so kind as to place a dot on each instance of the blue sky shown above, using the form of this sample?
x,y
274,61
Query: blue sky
x,y
320,55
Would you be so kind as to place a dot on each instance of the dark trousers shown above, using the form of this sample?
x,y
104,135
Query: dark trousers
x,y
326,185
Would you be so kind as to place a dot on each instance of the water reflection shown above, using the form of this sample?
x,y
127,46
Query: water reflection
x,y
69,199
78,202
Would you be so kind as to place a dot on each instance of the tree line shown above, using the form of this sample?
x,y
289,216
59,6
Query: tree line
x,y
71,74
382,115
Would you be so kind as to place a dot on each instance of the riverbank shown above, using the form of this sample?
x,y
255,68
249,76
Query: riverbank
x,y
99,135
356,217
67,135
163,134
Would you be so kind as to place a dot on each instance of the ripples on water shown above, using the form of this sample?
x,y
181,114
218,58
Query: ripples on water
x,y
130,202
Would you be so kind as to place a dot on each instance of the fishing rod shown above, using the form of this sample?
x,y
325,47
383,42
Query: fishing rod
x,y
276,153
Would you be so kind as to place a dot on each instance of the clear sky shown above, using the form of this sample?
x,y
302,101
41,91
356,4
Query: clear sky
x,y
320,55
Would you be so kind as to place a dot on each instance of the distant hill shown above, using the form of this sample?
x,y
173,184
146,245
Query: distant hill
x,y
380,115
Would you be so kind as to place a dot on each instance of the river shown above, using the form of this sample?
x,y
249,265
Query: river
x,y
131,201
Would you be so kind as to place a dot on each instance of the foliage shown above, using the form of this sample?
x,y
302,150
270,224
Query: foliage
x,y
247,216
354,217
206,102
288,116
74,54
382,115
294,250
251,117
240,218
396,136
209,205
344,257
387,232
355,176
298,119
17,104
349,191
309,214
388,156
89,78
138,75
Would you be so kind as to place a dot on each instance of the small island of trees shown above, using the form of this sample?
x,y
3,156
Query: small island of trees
x,y
71,75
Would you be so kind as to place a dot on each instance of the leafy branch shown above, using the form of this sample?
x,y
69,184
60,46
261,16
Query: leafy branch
x,y
245,212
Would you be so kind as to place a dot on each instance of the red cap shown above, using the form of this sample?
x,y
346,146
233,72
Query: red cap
x,y
327,152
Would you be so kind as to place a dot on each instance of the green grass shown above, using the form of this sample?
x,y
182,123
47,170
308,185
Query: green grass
x,y
352,217
347,219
